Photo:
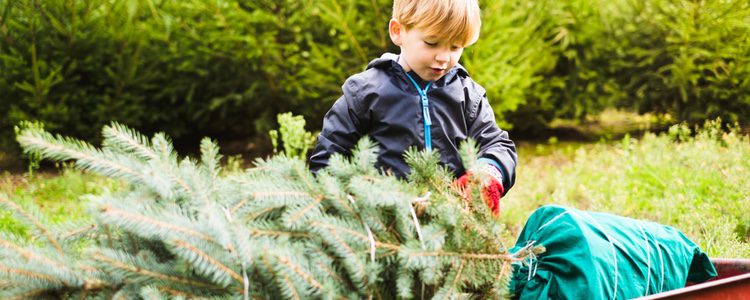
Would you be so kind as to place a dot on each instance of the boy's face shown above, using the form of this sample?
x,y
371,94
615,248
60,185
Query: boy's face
x,y
431,57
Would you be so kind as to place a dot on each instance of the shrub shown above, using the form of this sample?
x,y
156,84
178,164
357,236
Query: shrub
x,y
228,67
690,59
296,141
188,68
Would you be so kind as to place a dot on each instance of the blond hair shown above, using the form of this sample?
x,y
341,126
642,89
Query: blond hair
x,y
456,20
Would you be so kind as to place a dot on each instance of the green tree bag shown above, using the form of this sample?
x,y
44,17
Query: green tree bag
x,y
593,255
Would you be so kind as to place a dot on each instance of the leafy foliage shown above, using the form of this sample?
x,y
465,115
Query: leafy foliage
x,y
208,67
295,139
228,67
186,228
692,58
568,59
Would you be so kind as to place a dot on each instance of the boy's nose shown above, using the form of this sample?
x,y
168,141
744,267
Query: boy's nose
x,y
442,56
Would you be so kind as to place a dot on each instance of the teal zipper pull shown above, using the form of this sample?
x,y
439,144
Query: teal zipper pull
x,y
426,111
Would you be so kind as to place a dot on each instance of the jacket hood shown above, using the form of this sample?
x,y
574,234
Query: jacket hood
x,y
390,60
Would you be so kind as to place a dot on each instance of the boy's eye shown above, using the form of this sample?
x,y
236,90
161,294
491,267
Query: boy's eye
x,y
454,47
430,43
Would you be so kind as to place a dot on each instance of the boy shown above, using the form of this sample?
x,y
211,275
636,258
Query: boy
x,y
422,98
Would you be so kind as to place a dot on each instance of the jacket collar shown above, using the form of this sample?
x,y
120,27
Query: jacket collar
x,y
389,61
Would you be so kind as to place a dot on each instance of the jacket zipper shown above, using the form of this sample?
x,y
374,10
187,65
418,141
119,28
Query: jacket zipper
x,y
425,111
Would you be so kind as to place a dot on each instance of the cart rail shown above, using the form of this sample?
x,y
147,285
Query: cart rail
x,y
731,282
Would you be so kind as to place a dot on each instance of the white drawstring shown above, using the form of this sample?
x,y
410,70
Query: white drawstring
x,y
648,259
611,243
426,197
661,261
531,262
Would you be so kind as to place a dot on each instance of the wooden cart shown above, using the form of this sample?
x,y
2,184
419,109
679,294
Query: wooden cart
x,y
732,282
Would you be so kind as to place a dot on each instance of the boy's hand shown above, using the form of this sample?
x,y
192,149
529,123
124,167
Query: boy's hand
x,y
490,180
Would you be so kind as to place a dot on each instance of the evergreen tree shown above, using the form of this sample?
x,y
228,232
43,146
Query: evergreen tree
x,y
188,229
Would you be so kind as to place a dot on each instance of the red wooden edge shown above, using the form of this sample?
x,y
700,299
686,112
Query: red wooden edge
x,y
731,282
736,287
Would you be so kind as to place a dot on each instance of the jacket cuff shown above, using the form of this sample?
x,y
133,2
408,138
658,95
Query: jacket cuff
x,y
496,165
493,163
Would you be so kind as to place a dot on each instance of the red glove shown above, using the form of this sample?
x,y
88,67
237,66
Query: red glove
x,y
491,182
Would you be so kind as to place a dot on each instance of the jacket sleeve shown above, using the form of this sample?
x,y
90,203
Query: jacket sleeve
x,y
343,125
494,143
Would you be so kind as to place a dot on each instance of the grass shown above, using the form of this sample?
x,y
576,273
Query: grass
x,y
697,184
56,197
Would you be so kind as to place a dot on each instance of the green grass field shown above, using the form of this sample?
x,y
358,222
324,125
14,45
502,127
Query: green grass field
x,y
697,183
57,197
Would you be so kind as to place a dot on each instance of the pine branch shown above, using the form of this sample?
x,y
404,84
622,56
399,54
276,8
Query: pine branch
x,y
468,256
108,162
257,214
29,255
278,233
206,263
176,294
295,215
210,158
335,194
266,269
166,160
355,234
266,195
78,231
163,147
24,294
38,277
469,154
153,293
504,271
118,136
292,291
447,291
128,267
38,225
296,269
285,283
350,259
86,156
126,219
320,255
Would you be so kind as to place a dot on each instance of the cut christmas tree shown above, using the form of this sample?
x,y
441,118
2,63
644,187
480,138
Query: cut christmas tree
x,y
188,229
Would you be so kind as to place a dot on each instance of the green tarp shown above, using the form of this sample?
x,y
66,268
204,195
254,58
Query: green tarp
x,y
602,256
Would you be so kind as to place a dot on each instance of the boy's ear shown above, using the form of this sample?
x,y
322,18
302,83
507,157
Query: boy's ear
x,y
395,30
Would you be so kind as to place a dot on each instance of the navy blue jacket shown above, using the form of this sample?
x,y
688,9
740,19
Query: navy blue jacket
x,y
383,103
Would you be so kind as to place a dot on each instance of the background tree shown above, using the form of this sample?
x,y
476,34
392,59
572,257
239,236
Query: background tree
x,y
226,68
